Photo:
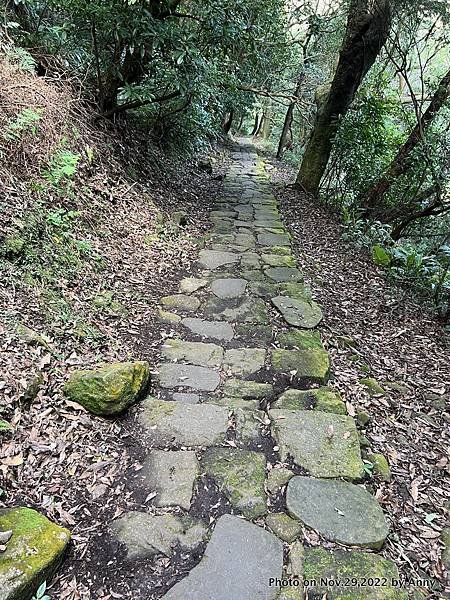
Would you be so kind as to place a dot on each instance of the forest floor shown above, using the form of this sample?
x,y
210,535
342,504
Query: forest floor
x,y
75,466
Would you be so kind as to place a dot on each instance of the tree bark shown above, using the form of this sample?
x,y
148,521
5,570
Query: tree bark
x,y
402,161
367,30
256,125
288,122
228,121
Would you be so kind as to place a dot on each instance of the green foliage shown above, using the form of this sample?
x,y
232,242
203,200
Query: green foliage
x,y
62,167
380,256
24,123
40,593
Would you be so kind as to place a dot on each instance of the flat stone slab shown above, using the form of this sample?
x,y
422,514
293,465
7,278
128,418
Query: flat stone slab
x,y
244,361
250,310
145,535
197,353
283,274
325,444
341,511
228,288
283,526
210,329
189,285
279,260
320,565
324,399
32,554
212,259
198,378
240,475
312,364
186,397
239,388
237,565
273,239
167,423
181,302
297,312
171,475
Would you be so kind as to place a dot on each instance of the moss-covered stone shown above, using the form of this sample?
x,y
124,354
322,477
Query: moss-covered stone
x,y
280,250
109,389
13,245
168,317
279,260
181,302
362,417
321,565
372,386
277,478
300,291
240,475
32,554
381,467
324,399
311,364
256,334
283,526
304,340
32,337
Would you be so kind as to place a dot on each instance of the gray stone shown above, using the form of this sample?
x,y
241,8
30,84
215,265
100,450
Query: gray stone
x,y
325,444
273,239
253,334
250,260
248,423
237,565
279,260
277,478
189,285
300,313
211,259
300,291
342,512
320,565
171,475
186,398
229,288
244,361
239,474
247,389
324,399
198,378
250,310
167,423
280,274
283,526
145,535
181,302
211,329
169,317
197,353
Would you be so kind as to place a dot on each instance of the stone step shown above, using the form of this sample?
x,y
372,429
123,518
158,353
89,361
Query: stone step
x,y
238,563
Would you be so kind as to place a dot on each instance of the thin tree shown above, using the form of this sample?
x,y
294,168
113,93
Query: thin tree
x,y
367,29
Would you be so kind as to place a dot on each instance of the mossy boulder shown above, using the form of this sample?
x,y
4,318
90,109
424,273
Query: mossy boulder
x,y
109,389
295,338
372,386
33,553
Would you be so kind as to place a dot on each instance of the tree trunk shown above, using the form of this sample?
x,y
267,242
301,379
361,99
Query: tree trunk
x,y
402,161
288,122
367,30
228,121
256,125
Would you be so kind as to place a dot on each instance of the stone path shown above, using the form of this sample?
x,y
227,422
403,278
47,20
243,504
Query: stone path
x,y
242,407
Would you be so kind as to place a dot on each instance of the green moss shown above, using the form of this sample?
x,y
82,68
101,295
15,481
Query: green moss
x,y
380,466
240,475
299,291
168,317
280,250
181,302
372,386
329,400
340,565
304,340
13,245
33,553
312,364
110,389
247,389
156,410
279,260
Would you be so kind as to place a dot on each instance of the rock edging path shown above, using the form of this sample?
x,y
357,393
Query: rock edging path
x,y
242,407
